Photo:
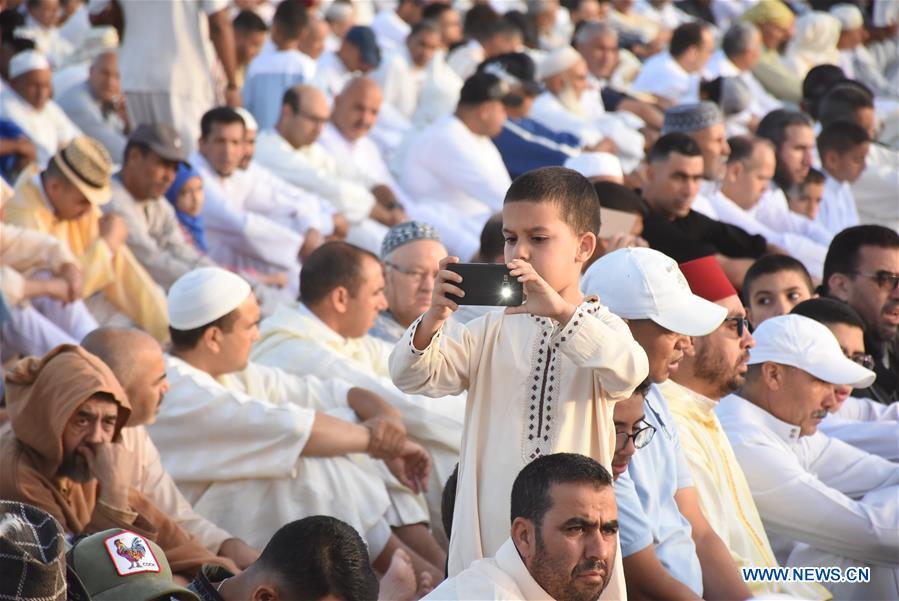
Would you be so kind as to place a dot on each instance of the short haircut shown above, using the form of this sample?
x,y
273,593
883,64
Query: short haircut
x,y
738,38
435,10
332,265
816,84
588,30
813,177
448,501
685,36
668,144
293,97
224,115
841,137
424,26
478,20
829,311
290,18
570,191
530,491
319,556
493,243
774,125
743,147
773,264
842,101
185,340
247,21
842,254
616,196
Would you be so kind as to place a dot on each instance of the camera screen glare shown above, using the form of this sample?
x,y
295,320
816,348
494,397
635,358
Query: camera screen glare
x,y
506,292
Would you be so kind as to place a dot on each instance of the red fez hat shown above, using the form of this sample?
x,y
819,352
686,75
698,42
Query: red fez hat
x,y
707,279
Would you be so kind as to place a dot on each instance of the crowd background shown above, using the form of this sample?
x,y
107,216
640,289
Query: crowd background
x,y
243,206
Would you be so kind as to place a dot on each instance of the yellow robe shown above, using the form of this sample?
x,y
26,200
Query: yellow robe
x,y
119,276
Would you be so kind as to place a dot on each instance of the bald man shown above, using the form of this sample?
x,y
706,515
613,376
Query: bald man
x,y
136,360
292,150
346,138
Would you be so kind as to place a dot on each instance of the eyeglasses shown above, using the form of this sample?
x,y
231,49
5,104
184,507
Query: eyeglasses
x,y
866,361
641,437
419,275
742,324
314,118
885,279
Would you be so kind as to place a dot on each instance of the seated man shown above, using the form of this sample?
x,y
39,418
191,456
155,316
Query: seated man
x,y
63,201
318,557
137,362
410,254
294,457
403,73
563,539
247,225
63,454
325,335
861,422
747,178
392,27
453,171
669,548
500,37
801,479
714,369
358,53
97,105
291,151
674,75
29,105
347,139
776,22
674,228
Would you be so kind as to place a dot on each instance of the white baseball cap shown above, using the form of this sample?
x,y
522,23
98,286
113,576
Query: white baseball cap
x,y
641,283
810,346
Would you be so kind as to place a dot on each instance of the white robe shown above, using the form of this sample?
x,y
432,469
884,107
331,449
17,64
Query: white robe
x,y
268,77
390,30
875,190
534,388
233,446
295,340
663,76
457,180
49,128
837,210
867,425
401,82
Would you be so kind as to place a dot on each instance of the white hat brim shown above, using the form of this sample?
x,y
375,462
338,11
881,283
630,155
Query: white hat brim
x,y
692,316
843,372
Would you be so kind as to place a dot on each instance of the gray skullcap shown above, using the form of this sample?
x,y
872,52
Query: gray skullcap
x,y
404,233
685,118
735,95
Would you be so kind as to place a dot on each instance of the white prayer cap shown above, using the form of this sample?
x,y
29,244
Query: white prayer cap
x,y
810,346
558,61
248,120
26,61
641,283
201,296
849,16
595,164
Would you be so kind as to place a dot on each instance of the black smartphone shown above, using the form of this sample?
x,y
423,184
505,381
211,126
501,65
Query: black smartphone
x,y
487,284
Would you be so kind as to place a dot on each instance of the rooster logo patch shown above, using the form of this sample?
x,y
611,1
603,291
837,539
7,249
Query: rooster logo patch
x,y
131,554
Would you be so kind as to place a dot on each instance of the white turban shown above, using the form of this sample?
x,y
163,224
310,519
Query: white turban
x,y
595,164
201,296
558,61
248,120
849,16
26,61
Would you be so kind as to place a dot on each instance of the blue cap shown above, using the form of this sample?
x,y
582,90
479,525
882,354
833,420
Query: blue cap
x,y
363,38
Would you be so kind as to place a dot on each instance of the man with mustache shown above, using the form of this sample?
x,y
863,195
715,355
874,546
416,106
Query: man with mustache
x,y
716,367
823,502
669,549
563,539
862,269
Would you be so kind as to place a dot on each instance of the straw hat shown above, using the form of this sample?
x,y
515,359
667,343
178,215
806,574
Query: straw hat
x,y
87,165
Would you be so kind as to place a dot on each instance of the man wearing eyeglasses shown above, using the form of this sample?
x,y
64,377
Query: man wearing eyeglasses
x,y
715,367
862,270
823,502
669,549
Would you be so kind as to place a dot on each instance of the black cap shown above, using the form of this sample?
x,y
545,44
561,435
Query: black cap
x,y
515,68
483,87
363,38
162,139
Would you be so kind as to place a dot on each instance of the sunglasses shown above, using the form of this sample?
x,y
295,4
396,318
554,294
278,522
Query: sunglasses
x,y
885,279
742,324
641,438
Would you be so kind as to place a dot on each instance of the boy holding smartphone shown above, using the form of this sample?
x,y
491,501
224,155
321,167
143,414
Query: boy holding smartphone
x,y
541,377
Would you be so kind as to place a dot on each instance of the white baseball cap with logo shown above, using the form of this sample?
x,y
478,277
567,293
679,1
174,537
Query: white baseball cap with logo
x,y
641,283
806,344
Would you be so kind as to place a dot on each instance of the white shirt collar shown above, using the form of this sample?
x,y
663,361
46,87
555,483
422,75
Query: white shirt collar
x,y
509,561
788,433
326,330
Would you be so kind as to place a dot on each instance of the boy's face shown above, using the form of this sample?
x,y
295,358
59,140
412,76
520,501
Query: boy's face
x,y
628,419
536,233
190,198
776,294
849,166
809,201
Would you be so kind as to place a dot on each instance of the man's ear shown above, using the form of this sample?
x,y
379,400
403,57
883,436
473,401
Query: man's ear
x,y
340,298
212,339
265,592
733,171
838,286
773,375
525,538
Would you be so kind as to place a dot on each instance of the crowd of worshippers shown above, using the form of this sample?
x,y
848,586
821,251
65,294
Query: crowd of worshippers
x,y
234,368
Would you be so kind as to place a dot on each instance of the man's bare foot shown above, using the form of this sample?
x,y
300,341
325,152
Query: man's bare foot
x,y
398,583
425,585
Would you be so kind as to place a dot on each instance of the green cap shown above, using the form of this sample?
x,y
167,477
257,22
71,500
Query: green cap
x,y
119,564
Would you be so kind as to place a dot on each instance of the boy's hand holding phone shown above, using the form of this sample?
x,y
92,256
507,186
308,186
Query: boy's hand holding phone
x,y
441,307
541,300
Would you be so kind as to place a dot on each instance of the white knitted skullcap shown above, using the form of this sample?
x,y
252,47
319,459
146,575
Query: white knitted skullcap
x,y
849,16
201,296
248,120
558,61
28,60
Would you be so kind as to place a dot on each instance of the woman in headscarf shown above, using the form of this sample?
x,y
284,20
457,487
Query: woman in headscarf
x,y
815,43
